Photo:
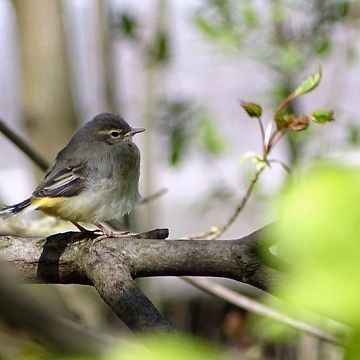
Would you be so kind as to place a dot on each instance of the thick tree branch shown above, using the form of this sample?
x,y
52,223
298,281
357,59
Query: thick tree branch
x,y
111,265
112,280
60,259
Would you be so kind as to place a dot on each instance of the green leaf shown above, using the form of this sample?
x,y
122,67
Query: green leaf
x,y
283,120
322,116
161,53
353,137
222,33
309,83
177,141
252,109
289,57
209,135
249,14
318,240
163,347
128,25
322,45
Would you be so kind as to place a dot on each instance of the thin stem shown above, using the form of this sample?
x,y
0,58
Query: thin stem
x,y
222,228
289,98
282,164
275,138
153,196
262,130
216,231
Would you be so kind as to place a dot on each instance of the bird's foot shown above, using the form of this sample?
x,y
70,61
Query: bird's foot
x,y
107,233
85,233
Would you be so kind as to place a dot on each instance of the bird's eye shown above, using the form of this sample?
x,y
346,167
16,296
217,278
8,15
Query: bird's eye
x,y
115,134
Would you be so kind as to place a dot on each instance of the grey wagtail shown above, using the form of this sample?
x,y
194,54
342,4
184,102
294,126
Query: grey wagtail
x,y
93,179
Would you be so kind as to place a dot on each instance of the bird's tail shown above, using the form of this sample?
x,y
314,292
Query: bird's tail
x,y
23,207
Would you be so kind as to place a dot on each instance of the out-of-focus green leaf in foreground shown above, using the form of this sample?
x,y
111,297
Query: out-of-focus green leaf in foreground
x,y
165,347
318,235
152,347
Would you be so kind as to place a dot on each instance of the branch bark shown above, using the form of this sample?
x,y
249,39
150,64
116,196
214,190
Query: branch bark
x,y
111,265
61,259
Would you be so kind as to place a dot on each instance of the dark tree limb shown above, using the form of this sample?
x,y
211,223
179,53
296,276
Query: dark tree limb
x,y
113,282
23,146
111,265
60,259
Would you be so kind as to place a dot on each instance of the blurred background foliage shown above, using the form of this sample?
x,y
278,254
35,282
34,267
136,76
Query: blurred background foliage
x,y
282,36
178,68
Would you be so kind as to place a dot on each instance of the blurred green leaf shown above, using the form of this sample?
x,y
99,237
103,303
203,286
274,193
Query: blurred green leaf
x,y
353,134
128,25
309,83
337,10
322,45
252,109
160,48
289,57
165,347
175,122
249,14
209,135
283,119
322,115
271,330
224,34
178,142
319,238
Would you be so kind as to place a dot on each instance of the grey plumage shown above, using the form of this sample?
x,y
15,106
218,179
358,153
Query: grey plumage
x,y
98,170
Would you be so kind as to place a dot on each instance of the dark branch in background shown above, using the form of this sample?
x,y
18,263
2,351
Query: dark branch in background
x,y
153,197
21,310
23,146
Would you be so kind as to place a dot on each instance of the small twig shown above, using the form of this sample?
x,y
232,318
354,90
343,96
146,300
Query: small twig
x,y
154,196
23,146
262,130
274,139
216,231
222,228
282,164
256,307
202,235
289,98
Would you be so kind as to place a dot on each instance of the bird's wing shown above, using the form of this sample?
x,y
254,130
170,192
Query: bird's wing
x,y
67,181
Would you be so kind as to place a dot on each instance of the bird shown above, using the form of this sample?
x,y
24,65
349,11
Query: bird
x,y
94,178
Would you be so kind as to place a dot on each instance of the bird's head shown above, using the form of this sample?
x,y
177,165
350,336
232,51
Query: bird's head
x,y
111,128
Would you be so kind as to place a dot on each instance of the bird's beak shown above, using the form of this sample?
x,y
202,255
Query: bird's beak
x,y
134,131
